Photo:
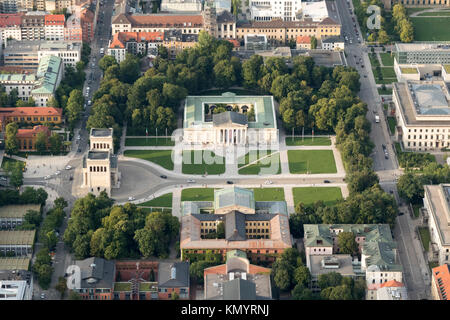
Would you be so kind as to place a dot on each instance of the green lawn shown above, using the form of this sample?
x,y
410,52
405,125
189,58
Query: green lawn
x,y
122,286
314,161
197,194
431,29
374,60
269,194
9,160
271,164
392,123
435,14
385,80
217,165
309,195
308,141
162,201
143,142
409,70
416,208
425,237
388,72
388,91
147,286
387,59
160,157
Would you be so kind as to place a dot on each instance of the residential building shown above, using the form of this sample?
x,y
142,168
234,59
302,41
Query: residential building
x,y
332,43
189,24
69,52
173,277
392,290
259,228
54,27
101,140
175,41
87,17
440,282
100,170
96,281
24,83
379,260
12,216
8,6
73,31
422,112
16,285
237,279
30,115
25,5
226,25
18,243
281,32
181,6
436,202
49,74
303,42
143,43
33,26
248,120
10,27
27,137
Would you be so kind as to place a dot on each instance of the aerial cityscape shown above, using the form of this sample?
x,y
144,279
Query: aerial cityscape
x,y
224,150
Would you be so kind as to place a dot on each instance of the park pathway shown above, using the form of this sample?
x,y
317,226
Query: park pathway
x,y
289,197
176,203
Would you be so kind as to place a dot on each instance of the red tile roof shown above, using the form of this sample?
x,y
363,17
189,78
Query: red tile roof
x,y
54,20
28,133
392,283
441,278
9,20
235,43
163,21
304,39
33,111
120,38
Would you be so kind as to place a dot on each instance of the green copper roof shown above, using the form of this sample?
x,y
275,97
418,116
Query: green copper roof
x,y
234,196
47,73
263,106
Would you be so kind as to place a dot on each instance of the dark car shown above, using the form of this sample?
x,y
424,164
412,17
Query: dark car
x,y
326,181
79,150
386,156
400,213
230,182
163,177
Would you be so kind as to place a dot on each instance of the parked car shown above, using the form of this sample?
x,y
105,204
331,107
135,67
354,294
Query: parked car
x,y
68,167
131,198
163,177
191,181
42,295
326,181
47,177
230,182
79,150
268,182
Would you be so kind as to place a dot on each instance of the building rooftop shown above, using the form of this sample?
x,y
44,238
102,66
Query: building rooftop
x,y
96,273
263,105
422,47
30,111
439,199
59,46
47,72
17,210
234,196
17,237
165,20
97,132
423,102
98,155
340,263
11,77
29,46
173,274
16,263
441,277
392,290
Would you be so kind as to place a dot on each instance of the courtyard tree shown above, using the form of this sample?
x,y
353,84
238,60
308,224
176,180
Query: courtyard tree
x,y
11,142
41,142
347,243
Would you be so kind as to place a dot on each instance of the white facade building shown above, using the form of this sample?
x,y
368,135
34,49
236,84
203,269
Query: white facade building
x,y
22,82
69,52
288,10
436,202
422,110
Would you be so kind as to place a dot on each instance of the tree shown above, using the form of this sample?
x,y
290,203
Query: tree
x,y
313,42
347,243
331,279
33,217
73,295
56,144
74,106
410,187
196,270
50,240
302,276
41,142
60,203
129,68
300,292
11,143
221,230
224,74
16,175
61,286
236,7
383,37
106,61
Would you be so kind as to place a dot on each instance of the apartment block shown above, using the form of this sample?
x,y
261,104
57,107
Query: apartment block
x,y
54,27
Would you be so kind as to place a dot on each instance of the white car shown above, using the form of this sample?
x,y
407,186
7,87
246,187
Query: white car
x,y
3,179
47,177
68,167
79,137
57,173
131,198
191,181
268,182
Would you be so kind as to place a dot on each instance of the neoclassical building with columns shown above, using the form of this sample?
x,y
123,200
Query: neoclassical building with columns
x,y
229,120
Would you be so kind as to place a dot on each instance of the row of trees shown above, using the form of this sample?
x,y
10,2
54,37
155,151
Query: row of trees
x,y
28,196
379,35
99,229
403,25
12,99
48,238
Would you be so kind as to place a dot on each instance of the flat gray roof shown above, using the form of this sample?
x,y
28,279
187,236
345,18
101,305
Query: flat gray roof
x,y
430,99
17,237
98,155
101,132
344,260
21,263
